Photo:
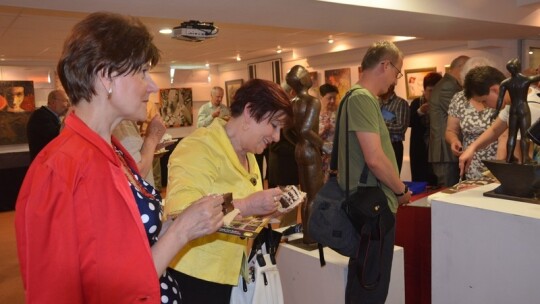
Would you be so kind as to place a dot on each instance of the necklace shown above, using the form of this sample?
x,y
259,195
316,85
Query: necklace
x,y
131,176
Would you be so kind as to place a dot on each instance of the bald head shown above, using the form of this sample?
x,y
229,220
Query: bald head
x,y
58,102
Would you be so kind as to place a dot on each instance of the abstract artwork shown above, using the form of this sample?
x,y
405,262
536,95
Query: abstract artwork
x,y
414,81
176,107
341,78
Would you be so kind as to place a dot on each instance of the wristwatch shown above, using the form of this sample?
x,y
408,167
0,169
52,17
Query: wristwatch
x,y
402,193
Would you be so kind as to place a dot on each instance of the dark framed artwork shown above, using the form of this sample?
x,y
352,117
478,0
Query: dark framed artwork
x,y
176,107
414,81
17,101
341,78
230,88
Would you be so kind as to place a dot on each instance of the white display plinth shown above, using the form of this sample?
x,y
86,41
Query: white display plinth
x,y
484,250
305,281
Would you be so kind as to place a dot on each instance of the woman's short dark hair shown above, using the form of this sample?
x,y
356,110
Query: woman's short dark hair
x,y
265,99
103,43
480,79
327,88
431,79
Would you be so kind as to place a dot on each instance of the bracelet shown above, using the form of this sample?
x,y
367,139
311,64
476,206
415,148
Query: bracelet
x,y
402,193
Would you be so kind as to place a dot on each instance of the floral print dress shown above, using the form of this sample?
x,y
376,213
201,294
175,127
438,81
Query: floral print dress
x,y
472,124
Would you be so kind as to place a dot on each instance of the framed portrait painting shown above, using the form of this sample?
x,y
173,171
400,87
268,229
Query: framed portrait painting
x,y
17,101
176,107
230,88
341,78
414,81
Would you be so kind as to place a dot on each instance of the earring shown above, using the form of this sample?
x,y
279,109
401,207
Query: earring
x,y
109,93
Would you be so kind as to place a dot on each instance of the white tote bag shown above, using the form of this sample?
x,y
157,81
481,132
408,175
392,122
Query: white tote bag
x,y
263,285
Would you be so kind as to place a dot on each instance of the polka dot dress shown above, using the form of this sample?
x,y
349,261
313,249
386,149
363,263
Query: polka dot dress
x,y
150,209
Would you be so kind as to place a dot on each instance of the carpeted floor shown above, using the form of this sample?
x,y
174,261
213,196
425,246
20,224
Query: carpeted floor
x,y
11,289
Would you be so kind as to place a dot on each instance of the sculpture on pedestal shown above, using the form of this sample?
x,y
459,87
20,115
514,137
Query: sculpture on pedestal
x,y
306,109
520,115
519,179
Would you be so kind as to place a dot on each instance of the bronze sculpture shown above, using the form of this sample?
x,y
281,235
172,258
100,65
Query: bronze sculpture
x,y
306,109
520,115
519,179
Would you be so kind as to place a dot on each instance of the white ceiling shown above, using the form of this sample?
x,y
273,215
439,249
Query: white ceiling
x,y
32,31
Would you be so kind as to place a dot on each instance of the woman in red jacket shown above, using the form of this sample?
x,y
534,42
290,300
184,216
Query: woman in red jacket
x,y
87,224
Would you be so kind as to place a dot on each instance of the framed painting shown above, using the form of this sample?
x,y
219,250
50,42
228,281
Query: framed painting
x,y
230,88
17,101
314,90
176,107
341,78
414,81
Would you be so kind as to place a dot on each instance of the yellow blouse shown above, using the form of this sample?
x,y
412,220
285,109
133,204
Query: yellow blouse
x,y
205,163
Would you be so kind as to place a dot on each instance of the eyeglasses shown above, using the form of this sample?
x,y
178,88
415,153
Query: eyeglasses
x,y
399,74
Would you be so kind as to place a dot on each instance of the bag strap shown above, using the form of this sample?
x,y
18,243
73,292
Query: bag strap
x,y
365,236
334,158
335,147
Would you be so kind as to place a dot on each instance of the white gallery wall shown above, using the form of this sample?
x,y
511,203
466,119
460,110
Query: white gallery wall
x,y
201,81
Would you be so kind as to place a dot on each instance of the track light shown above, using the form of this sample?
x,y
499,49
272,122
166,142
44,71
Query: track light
x,y
330,39
238,58
279,50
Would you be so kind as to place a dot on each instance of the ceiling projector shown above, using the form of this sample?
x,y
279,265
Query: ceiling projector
x,y
194,30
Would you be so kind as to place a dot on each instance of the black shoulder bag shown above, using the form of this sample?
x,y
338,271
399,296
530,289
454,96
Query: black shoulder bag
x,y
348,223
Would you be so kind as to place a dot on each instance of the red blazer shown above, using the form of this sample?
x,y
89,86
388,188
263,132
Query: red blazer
x,y
80,237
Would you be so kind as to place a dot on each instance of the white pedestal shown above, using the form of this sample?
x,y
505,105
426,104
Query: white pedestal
x,y
484,250
305,281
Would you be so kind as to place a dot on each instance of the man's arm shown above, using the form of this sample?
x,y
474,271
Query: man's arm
x,y
380,165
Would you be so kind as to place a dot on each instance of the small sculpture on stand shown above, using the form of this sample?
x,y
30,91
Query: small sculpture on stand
x,y
306,109
520,180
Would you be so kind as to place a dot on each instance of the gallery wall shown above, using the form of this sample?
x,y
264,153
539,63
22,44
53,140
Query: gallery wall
x,y
201,81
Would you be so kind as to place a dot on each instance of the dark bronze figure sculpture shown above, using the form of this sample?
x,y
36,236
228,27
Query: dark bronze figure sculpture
x,y
520,115
519,180
306,109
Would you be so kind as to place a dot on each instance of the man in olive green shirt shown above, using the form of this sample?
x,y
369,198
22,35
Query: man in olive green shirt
x,y
370,145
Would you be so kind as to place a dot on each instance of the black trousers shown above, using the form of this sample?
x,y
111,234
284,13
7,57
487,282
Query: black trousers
x,y
197,291
354,292
398,151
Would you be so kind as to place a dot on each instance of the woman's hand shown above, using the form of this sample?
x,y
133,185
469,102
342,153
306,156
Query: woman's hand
x,y
424,109
156,129
260,203
457,148
465,160
201,218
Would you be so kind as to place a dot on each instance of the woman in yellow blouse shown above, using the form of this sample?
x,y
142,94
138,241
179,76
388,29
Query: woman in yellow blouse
x,y
220,159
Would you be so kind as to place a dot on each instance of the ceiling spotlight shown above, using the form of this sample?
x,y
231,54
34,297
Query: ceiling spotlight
x,y
207,65
330,39
279,50
165,31
238,58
